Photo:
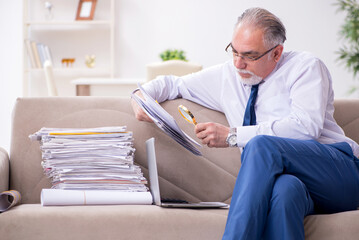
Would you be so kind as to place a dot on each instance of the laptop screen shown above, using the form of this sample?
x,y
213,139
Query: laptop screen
x,y
152,170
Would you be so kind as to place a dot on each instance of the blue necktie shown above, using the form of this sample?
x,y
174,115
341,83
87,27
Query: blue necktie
x,y
249,114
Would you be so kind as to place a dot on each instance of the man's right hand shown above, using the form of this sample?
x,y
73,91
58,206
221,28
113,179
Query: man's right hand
x,y
139,113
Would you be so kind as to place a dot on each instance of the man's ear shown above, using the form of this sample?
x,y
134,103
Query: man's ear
x,y
277,53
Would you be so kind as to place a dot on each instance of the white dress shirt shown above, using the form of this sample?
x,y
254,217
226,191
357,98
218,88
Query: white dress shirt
x,y
294,101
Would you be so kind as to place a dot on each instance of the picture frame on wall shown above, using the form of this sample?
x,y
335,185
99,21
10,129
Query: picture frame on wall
x,y
86,9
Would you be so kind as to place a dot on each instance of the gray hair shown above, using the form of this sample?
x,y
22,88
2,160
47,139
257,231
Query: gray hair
x,y
274,30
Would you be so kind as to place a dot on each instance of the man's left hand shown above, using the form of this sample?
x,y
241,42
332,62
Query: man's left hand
x,y
212,134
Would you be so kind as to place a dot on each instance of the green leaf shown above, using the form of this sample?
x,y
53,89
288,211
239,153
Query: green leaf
x,y
173,54
349,32
352,90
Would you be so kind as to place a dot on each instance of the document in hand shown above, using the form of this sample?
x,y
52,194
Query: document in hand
x,y
165,121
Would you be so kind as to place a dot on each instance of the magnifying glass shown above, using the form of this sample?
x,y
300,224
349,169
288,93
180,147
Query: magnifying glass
x,y
186,114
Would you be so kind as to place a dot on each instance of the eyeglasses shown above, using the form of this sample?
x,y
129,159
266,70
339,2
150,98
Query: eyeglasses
x,y
248,58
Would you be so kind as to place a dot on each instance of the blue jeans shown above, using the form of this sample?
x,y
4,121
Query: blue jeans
x,y
283,180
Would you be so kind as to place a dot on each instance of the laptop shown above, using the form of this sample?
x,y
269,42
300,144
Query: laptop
x,y
155,189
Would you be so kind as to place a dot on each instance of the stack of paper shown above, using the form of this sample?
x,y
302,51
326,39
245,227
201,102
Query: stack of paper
x,y
89,159
165,121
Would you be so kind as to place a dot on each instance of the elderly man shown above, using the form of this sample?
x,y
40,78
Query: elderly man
x,y
296,160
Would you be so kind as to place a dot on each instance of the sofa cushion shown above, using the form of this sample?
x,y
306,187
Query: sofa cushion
x,y
4,170
32,221
182,174
343,226
347,116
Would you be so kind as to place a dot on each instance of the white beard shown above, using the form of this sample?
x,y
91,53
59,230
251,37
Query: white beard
x,y
252,80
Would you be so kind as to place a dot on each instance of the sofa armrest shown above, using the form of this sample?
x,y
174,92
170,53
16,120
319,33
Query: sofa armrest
x,y
4,170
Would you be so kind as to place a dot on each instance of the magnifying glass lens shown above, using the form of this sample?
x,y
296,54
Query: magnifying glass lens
x,y
186,114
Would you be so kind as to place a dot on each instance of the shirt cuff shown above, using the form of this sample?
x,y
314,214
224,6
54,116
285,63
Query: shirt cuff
x,y
245,133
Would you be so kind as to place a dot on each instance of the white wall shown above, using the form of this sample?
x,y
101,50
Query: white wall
x,y
202,28
10,64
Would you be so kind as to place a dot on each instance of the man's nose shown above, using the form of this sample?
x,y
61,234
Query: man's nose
x,y
239,63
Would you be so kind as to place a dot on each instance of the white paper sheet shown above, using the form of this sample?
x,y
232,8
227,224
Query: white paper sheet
x,y
165,121
59,197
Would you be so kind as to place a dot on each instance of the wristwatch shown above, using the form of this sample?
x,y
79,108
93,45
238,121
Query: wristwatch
x,y
231,139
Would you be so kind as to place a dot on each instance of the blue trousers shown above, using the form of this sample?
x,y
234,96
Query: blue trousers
x,y
283,180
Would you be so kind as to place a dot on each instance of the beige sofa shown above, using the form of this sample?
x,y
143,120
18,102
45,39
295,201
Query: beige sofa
x,y
182,175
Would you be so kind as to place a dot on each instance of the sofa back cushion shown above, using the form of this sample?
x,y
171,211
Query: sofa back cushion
x,y
347,116
182,174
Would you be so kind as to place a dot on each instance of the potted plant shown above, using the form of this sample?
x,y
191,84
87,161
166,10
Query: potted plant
x,y
173,55
349,53
174,62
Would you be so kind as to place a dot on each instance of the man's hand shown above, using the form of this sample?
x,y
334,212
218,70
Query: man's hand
x,y
139,113
212,134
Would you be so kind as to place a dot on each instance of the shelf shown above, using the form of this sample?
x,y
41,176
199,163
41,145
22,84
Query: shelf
x,y
66,36
95,22
107,81
71,70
